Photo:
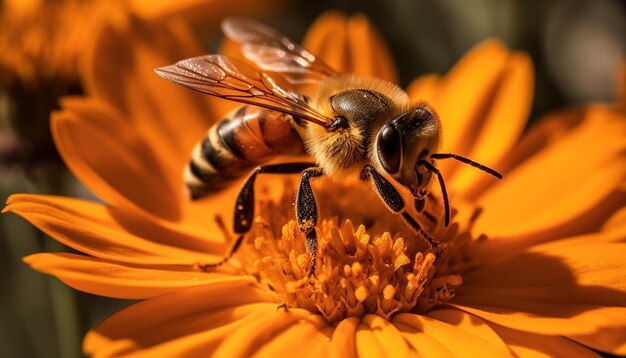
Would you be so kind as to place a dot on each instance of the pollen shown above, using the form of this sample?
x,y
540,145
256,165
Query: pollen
x,y
381,269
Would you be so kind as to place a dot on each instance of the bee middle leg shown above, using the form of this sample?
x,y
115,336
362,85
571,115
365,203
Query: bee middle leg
x,y
244,206
306,213
393,201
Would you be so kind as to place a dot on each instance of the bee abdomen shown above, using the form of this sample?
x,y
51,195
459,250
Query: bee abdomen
x,y
234,145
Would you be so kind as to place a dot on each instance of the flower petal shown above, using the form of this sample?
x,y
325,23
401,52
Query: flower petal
x,y
102,150
576,174
343,341
527,344
368,53
350,45
616,222
327,38
105,278
170,119
167,119
389,340
424,88
172,322
300,339
542,133
466,94
566,287
246,340
612,340
469,323
366,343
424,345
101,231
196,337
503,121
429,337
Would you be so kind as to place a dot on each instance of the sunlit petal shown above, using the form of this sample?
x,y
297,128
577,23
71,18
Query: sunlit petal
x,y
326,39
350,44
94,229
424,88
568,287
389,339
301,338
169,119
343,342
368,54
248,339
616,222
102,150
478,74
528,344
105,278
503,121
610,339
449,338
470,324
179,316
575,173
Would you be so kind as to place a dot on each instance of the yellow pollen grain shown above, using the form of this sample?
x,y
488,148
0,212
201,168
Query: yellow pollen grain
x,y
455,280
401,261
374,280
322,278
389,292
302,260
292,286
363,242
360,293
347,270
357,268
398,246
385,243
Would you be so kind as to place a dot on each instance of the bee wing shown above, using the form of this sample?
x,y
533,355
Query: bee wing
x,y
274,52
237,81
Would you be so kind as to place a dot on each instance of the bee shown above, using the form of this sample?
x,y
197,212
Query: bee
x,y
353,126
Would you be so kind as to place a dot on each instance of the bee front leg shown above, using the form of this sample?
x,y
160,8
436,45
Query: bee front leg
x,y
393,200
419,207
244,206
306,213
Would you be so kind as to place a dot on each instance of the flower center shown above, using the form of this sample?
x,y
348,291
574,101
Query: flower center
x,y
378,267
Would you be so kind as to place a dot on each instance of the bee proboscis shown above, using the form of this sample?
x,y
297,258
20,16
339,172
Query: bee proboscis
x,y
351,125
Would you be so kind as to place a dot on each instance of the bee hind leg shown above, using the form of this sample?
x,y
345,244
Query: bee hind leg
x,y
244,206
394,202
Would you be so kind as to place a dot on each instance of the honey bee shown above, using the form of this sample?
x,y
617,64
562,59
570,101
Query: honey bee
x,y
352,126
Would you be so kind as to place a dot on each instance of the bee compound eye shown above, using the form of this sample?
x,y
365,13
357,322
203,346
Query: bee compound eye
x,y
389,148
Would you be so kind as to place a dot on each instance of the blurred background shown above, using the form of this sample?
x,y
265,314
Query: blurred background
x,y
578,49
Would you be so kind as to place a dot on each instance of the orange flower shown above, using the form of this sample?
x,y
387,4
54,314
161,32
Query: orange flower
x,y
548,280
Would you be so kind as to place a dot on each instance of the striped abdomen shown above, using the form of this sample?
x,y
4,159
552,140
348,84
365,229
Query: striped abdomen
x,y
233,146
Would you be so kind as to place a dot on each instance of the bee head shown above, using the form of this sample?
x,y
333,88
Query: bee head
x,y
404,143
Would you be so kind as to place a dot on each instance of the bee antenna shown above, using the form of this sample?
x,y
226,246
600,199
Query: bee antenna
x,y
465,160
444,192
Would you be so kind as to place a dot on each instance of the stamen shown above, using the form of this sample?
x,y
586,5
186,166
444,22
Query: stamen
x,y
383,270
